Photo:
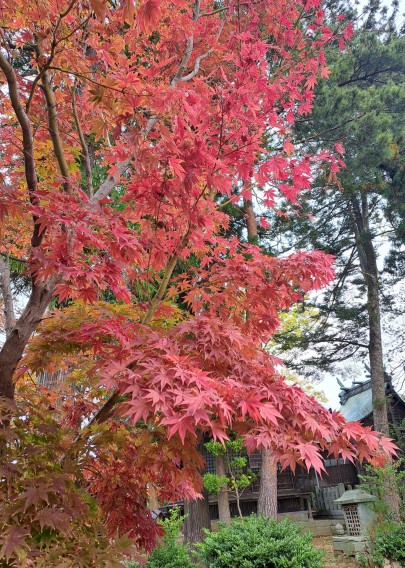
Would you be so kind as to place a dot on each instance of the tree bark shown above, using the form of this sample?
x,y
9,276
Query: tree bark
x,y
251,223
369,269
17,340
197,512
223,495
197,519
41,292
267,503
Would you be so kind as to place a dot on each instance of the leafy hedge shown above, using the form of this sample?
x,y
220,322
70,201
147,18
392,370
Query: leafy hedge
x,y
257,542
389,543
252,542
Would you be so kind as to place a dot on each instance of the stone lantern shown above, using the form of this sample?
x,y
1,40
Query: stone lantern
x,y
358,510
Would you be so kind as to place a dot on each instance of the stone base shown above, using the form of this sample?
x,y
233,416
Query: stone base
x,y
349,545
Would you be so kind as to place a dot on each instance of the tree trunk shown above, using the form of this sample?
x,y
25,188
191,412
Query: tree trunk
x,y
267,503
237,496
197,518
19,335
369,269
251,223
223,495
197,512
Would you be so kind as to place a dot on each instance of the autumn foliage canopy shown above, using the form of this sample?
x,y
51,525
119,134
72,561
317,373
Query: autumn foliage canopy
x,y
127,130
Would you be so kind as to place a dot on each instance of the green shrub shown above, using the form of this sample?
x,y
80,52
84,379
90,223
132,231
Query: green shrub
x,y
259,542
389,542
170,553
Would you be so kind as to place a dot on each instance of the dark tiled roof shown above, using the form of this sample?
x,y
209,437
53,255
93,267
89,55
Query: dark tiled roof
x,y
356,401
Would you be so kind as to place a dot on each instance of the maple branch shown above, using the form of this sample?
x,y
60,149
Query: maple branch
x,y
103,413
41,292
52,54
231,201
108,185
218,11
76,29
194,72
85,150
85,76
198,60
28,142
11,257
53,128
161,291
33,87
226,8
184,61
14,346
189,49
106,410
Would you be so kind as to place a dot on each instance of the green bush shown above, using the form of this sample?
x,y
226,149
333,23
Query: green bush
x,y
389,542
259,542
170,553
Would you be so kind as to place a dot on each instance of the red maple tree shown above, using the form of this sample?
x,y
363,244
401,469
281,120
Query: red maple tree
x,y
126,130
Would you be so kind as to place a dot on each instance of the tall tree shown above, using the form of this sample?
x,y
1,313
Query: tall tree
x,y
176,101
267,500
360,209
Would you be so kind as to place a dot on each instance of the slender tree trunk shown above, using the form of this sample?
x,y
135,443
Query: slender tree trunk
x,y
251,223
369,268
41,293
267,503
237,496
197,513
223,495
153,498
18,337
197,518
